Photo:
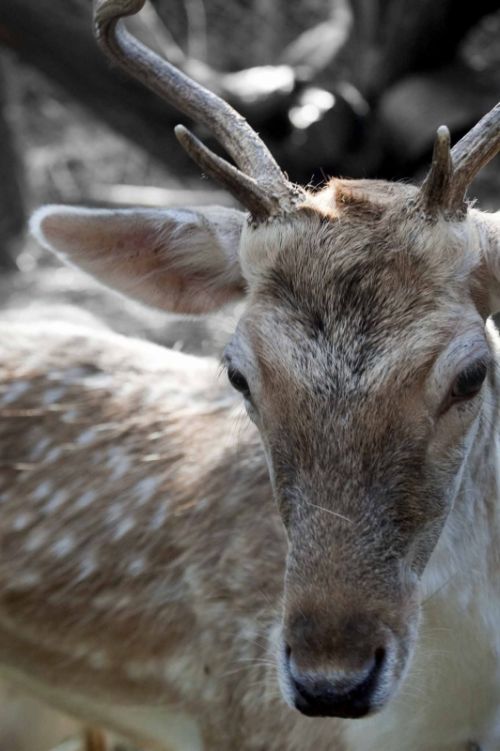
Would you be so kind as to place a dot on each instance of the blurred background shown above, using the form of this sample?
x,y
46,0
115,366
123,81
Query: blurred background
x,y
354,88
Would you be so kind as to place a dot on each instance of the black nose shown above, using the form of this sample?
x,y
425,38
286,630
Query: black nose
x,y
330,695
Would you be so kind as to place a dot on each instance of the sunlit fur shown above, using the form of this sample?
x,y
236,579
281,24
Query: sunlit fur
x,y
142,558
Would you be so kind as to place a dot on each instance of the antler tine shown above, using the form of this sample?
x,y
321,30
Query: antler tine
x,y
261,185
451,173
471,154
244,188
436,184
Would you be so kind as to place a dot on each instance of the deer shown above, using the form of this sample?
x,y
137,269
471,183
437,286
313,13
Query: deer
x,y
306,557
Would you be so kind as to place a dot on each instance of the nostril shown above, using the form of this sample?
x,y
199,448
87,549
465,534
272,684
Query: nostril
x,y
307,694
379,655
337,694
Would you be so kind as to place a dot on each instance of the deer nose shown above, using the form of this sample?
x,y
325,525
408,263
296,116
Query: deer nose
x,y
336,694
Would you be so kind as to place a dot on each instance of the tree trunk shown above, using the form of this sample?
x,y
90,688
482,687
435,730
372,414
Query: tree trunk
x,y
421,35
12,211
56,38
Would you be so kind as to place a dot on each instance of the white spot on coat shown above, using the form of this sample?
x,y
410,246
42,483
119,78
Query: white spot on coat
x,y
81,650
43,490
36,540
104,600
137,670
24,582
40,447
14,391
87,437
64,546
123,527
53,454
123,602
114,512
70,416
136,567
158,517
51,396
87,567
21,522
98,381
118,462
74,374
145,489
58,500
98,659
85,500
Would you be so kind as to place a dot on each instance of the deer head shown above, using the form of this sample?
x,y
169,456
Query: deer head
x,y
362,357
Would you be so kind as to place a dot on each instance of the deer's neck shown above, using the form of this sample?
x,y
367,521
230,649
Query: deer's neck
x,y
459,643
451,694
467,555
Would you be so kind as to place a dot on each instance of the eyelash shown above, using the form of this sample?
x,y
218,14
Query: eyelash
x,y
467,384
238,381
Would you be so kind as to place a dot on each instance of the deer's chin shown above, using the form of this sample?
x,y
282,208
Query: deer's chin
x,y
370,696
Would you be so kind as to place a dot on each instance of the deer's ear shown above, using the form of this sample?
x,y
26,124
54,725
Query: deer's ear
x,y
181,260
488,228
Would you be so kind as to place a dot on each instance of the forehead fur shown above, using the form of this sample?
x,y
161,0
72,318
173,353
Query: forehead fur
x,y
367,217
359,268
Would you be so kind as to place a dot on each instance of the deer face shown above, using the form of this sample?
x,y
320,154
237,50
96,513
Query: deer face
x,y
361,358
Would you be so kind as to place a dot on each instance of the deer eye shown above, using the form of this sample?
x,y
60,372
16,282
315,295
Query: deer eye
x,y
238,381
468,383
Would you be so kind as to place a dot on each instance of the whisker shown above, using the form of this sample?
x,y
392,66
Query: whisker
x,y
329,511
440,588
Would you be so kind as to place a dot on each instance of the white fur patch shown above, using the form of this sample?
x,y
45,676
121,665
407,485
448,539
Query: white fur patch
x,y
85,500
137,566
159,517
42,491
51,396
36,540
14,391
87,437
98,659
55,503
63,547
21,521
24,582
88,566
114,512
124,526
145,489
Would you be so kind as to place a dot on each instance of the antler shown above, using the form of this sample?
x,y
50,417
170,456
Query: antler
x,y
257,181
452,172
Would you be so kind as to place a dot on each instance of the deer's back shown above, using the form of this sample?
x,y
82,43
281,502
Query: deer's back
x,y
135,519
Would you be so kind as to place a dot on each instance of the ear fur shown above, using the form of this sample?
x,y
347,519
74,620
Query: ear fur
x,y
488,234
180,260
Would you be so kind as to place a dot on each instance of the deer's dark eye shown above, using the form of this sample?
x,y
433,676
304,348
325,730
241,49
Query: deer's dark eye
x,y
238,381
468,383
